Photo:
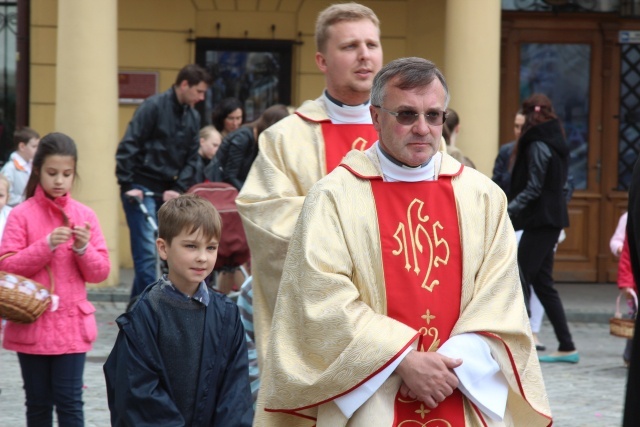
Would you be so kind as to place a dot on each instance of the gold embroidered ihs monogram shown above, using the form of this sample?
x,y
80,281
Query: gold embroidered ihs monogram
x,y
359,144
414,252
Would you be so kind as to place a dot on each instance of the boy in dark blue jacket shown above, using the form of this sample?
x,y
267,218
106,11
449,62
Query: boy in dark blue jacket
x,y
180,358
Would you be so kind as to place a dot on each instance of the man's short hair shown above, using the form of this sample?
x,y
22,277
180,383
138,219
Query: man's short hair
x,y
407,73
191,213
24,135
339,13
193,74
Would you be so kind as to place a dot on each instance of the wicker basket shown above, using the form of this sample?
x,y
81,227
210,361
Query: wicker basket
x,y
18,306
620,327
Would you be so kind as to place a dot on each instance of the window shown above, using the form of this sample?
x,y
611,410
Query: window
x,y
257,72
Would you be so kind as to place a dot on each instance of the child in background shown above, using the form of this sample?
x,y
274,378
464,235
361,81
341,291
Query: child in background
x,y
50,229
617,240
5,187
208,166
18,167
626,283
180,358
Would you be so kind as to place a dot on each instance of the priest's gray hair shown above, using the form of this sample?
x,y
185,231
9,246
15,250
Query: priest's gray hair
x,y
408,73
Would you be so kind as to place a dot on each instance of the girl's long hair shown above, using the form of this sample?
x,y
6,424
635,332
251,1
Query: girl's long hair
x,y
537,109
52,144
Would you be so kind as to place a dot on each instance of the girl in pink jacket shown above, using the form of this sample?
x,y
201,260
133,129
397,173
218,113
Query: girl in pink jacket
x,y
50,229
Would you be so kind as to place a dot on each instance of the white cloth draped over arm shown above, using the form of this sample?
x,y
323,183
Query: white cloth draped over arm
x,y
481,380
350,402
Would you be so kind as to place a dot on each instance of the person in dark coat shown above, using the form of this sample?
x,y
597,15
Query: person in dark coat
x,y
180,358
157,160
537,205
240,148
632,401
502,167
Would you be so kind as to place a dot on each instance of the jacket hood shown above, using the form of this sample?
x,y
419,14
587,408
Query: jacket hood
x,y
548,132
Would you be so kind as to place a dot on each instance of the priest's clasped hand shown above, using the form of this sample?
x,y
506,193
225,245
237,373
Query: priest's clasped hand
x,y
428,377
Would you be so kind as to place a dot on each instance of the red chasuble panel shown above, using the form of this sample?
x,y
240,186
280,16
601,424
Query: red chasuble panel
x,y
340,139
422,261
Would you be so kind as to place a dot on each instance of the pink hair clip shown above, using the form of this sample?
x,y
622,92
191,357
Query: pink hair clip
x,y
536,108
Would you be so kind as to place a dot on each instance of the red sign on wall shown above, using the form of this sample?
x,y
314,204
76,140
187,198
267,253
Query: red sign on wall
x,y
136,86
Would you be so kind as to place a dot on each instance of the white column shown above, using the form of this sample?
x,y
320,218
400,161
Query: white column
x,y
472,70
87,106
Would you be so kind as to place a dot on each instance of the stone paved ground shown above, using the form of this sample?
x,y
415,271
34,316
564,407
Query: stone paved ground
x,y
589,394
95,402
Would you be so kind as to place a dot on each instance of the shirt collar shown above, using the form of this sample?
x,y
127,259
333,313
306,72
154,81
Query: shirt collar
x,y
340,113
17,158
59,202
394,172
201,295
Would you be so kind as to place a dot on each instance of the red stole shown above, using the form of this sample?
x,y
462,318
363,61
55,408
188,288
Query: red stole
x,y
339,139
422,261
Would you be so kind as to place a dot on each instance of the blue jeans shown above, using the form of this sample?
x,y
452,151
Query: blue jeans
x,y
53,381
143,239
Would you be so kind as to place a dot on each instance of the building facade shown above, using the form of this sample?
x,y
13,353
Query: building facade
x,y
75,63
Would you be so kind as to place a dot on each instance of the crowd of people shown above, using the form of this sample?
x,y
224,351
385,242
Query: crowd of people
x,y
349,316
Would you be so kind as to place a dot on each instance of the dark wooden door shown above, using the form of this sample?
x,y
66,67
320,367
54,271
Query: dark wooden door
x,y
570,59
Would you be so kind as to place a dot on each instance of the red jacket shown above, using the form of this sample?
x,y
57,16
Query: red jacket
x,y
625,275
72,327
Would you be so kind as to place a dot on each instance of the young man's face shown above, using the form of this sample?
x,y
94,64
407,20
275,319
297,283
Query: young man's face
x,y
190,257
352,58
191,95
412,144
28,150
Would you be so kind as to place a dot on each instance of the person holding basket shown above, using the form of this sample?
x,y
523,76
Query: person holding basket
x,y
55,241
626,282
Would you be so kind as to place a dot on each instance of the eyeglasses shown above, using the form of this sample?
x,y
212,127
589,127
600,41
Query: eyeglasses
x,y
406,118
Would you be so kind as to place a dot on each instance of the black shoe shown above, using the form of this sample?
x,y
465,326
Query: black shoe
x,y
541,347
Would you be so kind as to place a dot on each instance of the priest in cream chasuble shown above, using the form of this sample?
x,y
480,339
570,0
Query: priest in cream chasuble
x,y
400,302
299,150
294,154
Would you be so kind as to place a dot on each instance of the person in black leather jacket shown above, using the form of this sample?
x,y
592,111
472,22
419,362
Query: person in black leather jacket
x,y
158,154
240,148
538,206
